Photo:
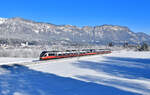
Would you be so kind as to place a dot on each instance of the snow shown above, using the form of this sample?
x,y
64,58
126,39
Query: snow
x,y
119,73
2,20
9,60
36,31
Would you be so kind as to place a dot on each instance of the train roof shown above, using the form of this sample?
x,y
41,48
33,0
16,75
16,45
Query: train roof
x,y
50,51
54,51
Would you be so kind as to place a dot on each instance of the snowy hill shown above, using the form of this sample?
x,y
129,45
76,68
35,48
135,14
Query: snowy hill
x,y
119,73
18,30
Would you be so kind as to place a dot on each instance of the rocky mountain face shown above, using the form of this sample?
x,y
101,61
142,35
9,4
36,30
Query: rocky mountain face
x,y
17,30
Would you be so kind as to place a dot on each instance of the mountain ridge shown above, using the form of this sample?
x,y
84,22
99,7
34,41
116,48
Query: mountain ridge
x,y
20,30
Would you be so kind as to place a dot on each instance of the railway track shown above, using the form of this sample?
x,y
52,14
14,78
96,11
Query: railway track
x,y
48,61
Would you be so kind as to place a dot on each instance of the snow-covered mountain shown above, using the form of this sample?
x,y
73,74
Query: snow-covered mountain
x,y
2,20
17,30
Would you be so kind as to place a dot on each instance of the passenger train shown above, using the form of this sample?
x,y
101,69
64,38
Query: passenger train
x,y
46,55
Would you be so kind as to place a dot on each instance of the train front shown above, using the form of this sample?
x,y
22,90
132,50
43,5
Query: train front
x,y
43,55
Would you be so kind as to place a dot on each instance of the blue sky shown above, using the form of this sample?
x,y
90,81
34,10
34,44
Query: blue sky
x,y
132,13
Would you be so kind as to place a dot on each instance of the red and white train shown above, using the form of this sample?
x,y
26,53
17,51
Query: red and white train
x,y
46,55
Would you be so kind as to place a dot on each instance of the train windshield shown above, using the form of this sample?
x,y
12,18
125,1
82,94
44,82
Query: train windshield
x,y
42,54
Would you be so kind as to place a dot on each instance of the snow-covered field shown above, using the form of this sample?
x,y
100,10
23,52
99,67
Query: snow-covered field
x,y
119,73
8,60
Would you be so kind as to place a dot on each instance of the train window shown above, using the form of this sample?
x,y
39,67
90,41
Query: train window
x,y
51,54
59,54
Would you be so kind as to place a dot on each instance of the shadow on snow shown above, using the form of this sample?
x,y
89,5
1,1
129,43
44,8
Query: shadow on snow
x,y
18,79
125,68
139,60
122,67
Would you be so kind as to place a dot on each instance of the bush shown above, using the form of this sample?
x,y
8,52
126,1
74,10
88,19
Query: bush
x,y
144,47
110,44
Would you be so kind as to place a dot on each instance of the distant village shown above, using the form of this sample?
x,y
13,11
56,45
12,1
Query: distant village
x,y
26,44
